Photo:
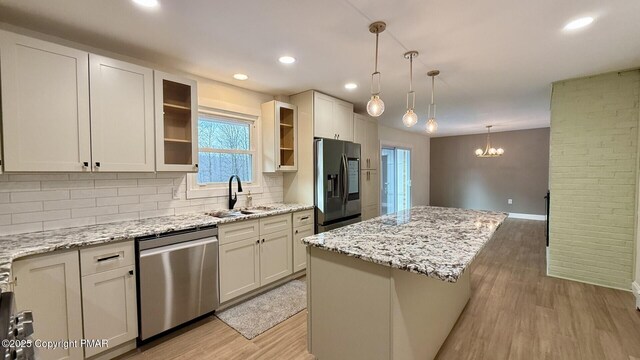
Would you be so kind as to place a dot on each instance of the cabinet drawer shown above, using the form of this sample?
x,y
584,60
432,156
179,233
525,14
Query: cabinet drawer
x,y
106,257
302,218
276,223
241,230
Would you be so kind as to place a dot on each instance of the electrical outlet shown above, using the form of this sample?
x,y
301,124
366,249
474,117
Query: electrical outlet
x,y
176,194
510,201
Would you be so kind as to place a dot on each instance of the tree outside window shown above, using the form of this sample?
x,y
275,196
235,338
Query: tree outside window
x,y
224,149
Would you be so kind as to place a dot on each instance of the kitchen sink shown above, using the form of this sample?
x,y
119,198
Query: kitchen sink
x,y
239,212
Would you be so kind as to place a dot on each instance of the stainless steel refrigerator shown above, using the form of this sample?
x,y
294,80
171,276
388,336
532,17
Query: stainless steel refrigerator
x,y
337,190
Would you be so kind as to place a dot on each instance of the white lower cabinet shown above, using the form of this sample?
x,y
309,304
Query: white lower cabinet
x,y
109,304
239,267
49,285
250,259
275,256
300,249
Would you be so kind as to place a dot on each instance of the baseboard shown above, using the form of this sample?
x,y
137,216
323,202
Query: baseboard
x,y
636,293
528,216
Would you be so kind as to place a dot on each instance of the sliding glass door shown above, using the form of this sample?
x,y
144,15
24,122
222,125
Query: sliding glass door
x,y
395,189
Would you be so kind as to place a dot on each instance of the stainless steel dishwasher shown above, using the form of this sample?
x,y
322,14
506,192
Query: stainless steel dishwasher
x,y
177,279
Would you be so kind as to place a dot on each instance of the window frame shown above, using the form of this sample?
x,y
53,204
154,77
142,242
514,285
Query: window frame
x,y
195,190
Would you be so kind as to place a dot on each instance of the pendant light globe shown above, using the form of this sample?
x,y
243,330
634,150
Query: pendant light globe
x,y
375,106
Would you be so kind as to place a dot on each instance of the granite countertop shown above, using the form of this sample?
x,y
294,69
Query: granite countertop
x,y
435,241
16,246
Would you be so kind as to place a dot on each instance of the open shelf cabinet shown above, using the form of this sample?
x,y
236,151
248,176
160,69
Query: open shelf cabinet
x,y
280,136
176,123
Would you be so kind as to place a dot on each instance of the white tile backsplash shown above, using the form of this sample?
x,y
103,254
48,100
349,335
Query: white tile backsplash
x,y
35,202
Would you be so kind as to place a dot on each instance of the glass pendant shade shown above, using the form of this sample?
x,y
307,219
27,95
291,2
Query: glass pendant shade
x,y
479,152
432,126
500,151
375,106
410,118
492,151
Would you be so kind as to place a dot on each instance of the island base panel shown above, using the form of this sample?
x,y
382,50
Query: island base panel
x,y
363,310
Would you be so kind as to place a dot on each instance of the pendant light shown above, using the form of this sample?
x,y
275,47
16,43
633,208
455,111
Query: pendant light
x,y
489,151
375,106
432,124
410,118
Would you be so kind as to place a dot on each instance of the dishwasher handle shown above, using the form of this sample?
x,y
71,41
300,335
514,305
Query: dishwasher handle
x,y
179,246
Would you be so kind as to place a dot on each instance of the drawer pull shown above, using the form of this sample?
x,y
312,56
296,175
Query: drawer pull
x,y
107,258
304,218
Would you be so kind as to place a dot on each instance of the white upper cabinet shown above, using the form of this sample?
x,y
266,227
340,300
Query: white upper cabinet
x,y
365,133
279,136
45,105
176,107
122,122
333,118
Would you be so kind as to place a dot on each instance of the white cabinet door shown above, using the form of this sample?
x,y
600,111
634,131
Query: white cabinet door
x,y
370,188
50,286
239,268
122,121
299,249
323,121
109,305
360,129
176,122
343,120
45,105
275,256
373,144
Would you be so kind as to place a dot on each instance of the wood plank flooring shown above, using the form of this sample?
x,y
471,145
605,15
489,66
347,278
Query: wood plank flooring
x,y
515,312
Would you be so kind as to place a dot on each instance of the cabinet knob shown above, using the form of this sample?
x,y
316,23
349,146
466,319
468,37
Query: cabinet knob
x,y
97,164
196,166
85,164
131,272
296,231
258,241
263,241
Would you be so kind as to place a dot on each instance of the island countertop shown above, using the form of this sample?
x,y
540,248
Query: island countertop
x,y
435,241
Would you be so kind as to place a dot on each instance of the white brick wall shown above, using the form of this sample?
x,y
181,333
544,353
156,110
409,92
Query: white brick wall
x,y
594,146
34,202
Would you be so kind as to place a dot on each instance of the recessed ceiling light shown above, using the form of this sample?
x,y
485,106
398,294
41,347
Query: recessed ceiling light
x,y
147,3
287,59
240,76
578,23
350,86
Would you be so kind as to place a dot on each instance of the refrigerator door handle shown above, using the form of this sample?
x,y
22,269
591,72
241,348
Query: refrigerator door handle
x,y
345,179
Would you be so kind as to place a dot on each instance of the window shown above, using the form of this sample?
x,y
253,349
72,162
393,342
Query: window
x,y
228,144
225,149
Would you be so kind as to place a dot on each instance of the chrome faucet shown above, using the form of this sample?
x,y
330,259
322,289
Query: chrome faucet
x,y
234,199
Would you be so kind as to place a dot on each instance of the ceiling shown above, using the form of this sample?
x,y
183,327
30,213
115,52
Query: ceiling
x,y
497,58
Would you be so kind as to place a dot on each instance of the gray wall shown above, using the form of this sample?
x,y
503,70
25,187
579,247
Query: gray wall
x,y
460,179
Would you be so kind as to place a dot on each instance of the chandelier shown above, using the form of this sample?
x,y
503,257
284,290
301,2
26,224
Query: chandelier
x,y
489,151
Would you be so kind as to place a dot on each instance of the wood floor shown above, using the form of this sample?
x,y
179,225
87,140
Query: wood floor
x,y
515,312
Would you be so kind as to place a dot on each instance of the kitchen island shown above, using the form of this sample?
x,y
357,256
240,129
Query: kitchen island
x,y
392,287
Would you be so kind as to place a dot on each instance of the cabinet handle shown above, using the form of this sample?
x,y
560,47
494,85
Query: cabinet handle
x,y
304,218
131,272
106,258
97,164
